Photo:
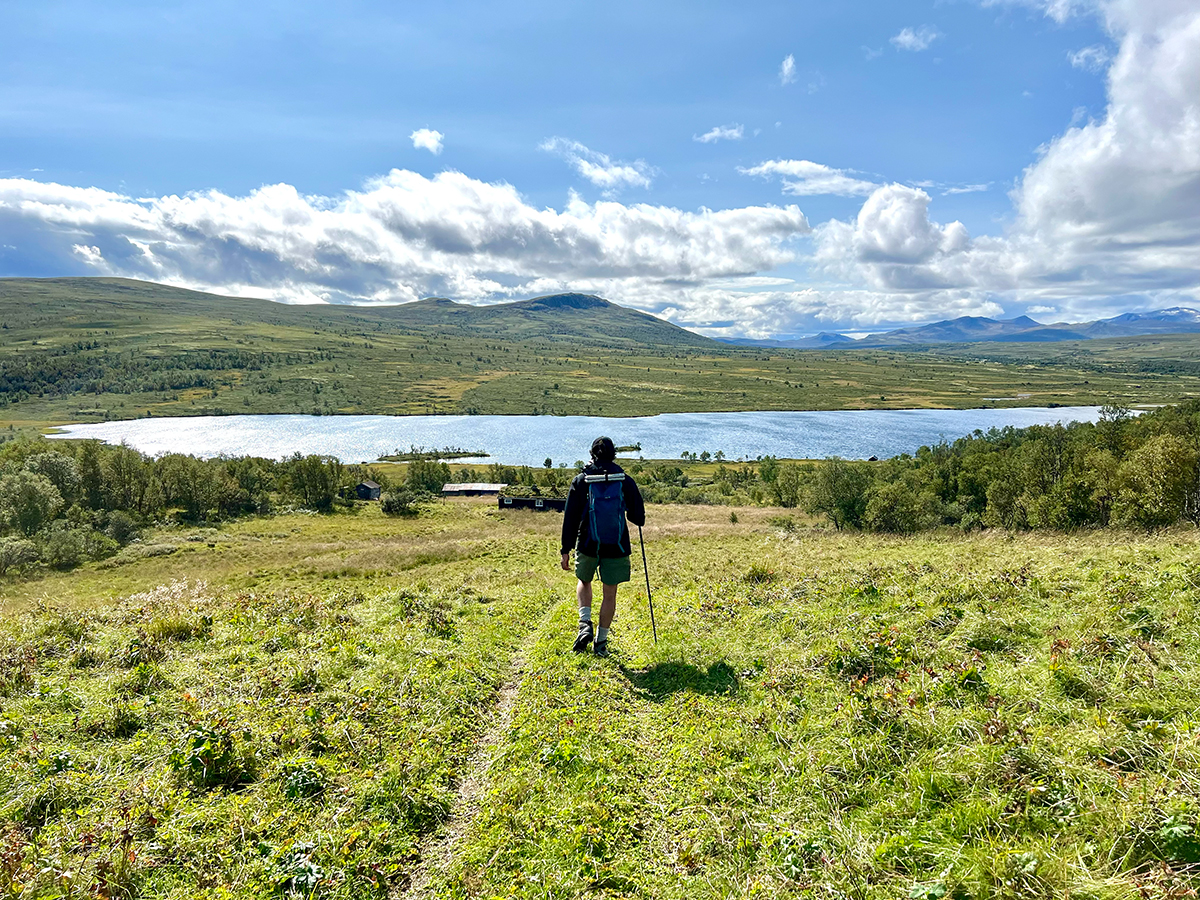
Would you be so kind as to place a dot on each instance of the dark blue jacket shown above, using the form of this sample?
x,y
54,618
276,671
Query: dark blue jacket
x,y
576,530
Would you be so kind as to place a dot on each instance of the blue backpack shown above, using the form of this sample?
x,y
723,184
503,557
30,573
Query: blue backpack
x,y
606,506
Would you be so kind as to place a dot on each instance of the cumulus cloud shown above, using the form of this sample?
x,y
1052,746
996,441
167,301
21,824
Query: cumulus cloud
x,y
801,177
787,69
600,169
1090,59
915,39
400,237
1107,218
427,139
1117,200
720,133
893,244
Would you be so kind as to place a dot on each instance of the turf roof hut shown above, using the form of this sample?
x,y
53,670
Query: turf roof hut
x,y
367,490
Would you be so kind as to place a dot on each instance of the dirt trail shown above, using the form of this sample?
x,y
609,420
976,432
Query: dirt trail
x,y
438,849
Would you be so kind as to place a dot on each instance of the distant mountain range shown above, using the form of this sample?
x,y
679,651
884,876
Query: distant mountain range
x,y
968,329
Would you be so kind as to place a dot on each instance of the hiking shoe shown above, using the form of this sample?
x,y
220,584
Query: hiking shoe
x,y
584,637
601,648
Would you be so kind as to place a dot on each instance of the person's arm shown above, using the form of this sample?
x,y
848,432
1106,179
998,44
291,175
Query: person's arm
x,y
635,507
570,527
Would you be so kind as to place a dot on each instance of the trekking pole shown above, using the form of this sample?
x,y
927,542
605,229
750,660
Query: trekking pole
x,y
646,572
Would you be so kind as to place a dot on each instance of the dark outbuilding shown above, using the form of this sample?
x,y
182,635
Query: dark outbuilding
x,y
367,490
540,504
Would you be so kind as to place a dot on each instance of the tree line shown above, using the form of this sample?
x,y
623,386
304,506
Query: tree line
x,y
1129,470
65,502
82,369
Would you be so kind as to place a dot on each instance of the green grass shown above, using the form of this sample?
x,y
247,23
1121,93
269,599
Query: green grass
x,y
127,349
294,703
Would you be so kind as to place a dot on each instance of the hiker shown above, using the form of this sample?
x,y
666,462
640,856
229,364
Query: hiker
x,y
602,496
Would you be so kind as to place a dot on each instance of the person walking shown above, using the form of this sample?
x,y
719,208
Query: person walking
x,y
600,500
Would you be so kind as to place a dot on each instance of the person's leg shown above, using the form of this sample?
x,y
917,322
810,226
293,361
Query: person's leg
x,y
583,637
608,609
608,603
583,592
585,571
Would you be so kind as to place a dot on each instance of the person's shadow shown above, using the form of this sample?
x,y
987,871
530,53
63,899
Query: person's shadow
x,y
663,679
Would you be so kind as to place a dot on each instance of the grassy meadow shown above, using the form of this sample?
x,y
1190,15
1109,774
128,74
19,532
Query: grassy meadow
x,y
354,706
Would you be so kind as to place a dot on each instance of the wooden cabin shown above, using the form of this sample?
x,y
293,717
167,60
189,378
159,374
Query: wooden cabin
x,y
367,490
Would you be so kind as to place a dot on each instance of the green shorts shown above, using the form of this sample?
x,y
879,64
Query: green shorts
x,y
613,570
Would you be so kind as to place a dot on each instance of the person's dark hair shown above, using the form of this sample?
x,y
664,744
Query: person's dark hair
x,y
603,450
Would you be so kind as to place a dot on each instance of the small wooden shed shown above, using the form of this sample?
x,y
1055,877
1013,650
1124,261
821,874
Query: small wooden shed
x,y
367,490
539,504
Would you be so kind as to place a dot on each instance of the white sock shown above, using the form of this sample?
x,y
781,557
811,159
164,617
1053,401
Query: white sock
x,y
585,614
601,635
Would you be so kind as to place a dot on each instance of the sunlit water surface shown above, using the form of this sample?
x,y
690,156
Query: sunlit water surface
x,y
529,440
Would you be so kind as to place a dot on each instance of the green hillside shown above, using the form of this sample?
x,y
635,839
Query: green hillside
x,y
85,349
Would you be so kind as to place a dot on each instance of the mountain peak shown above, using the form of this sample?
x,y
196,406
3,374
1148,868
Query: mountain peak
x,y
563,301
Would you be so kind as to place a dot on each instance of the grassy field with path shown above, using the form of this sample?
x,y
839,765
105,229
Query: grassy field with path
x,y
355,706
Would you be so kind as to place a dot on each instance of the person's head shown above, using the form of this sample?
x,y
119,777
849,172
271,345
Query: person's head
x,y
603,450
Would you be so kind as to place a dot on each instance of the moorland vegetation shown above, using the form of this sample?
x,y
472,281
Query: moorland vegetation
x,y
83,350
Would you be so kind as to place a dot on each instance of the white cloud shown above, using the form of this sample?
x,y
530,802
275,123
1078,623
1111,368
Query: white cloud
x,y
915,39
787,70
88,253
427,139
723,312
401,237
1058,10
966,189
720,133
892,244
802,177
1108,217
1090,59
600,169
1117,200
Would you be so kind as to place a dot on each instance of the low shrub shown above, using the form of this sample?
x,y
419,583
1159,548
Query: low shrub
x,y
212,755
121,527
16,553
400,502
303,781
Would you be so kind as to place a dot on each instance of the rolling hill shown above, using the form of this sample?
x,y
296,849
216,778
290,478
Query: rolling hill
x,y
86,303
85,350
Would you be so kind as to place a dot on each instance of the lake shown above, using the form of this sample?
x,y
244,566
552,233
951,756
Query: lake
x,y
529,440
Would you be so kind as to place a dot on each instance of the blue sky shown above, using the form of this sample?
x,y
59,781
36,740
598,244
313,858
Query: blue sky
x,y
228,146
